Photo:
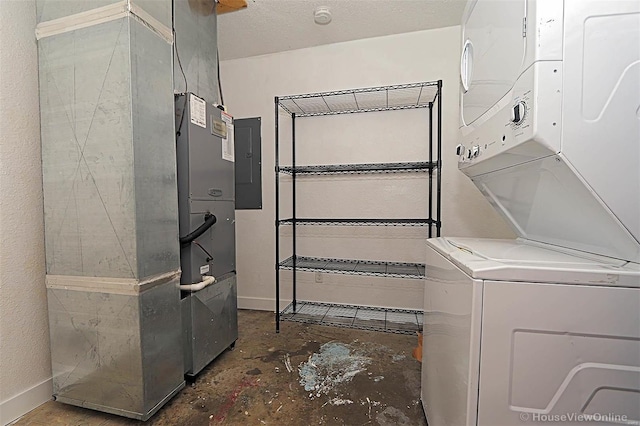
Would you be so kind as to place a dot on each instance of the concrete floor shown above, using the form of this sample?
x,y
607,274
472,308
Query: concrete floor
x,y
352,377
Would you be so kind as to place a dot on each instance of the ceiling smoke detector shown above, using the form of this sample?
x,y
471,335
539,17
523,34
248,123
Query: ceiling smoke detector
x,y
322,15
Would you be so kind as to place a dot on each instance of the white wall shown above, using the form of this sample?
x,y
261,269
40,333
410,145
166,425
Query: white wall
x,y
25,369
250,85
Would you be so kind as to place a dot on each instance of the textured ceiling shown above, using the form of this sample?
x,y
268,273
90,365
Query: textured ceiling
x,y
269,26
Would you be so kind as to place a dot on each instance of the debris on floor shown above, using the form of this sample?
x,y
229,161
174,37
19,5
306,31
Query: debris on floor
x,y
336,363
287,363
417,351
338,401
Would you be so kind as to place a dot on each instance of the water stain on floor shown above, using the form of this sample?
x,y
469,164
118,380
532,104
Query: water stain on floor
x,y
305,375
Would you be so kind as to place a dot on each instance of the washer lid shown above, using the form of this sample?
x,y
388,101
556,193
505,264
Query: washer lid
x,y
526,261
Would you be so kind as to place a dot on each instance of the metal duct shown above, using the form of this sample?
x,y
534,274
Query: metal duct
x,y
110,201
196,48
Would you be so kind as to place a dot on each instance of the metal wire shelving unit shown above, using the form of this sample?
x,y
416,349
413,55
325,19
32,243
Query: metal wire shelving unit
x,y
426,95
374,268
332,169
398,321
358,222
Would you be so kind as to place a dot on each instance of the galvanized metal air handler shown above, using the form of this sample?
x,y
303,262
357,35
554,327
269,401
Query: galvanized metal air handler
x,y
109,177
206,203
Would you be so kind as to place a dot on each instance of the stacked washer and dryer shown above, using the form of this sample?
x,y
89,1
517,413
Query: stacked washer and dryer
x,y
546,327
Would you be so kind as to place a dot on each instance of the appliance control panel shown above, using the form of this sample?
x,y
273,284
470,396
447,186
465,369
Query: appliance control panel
x,y
524,125
511,125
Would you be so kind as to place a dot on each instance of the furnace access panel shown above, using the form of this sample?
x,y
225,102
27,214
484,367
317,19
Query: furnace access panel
x,y
205,156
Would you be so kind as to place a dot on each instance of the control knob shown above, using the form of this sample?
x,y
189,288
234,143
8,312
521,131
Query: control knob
x,y
475,151
518,112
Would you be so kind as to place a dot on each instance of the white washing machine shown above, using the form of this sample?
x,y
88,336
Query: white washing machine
x,y
545,328
518,332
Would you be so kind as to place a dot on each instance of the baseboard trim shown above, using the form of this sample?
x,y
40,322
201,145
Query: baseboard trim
x,y
20,404
260,303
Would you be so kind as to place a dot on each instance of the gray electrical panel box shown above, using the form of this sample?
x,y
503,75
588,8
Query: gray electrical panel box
x,y
206,186
248,163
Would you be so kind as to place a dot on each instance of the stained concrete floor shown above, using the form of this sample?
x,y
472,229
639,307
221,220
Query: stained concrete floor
x,y
352,377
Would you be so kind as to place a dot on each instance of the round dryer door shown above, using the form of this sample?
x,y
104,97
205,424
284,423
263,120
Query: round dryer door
x,y
492,53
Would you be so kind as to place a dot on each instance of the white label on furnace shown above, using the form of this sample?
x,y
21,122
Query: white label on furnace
x,y
228,143
198,111
204,269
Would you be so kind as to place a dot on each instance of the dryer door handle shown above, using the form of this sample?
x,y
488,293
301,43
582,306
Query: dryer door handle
x,y
466,65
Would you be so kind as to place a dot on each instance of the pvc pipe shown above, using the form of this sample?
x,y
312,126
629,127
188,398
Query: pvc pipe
x,y
198,286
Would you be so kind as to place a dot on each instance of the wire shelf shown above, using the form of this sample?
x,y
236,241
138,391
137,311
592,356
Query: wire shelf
x,y
398,321
360,222
328,169
383,98
355,267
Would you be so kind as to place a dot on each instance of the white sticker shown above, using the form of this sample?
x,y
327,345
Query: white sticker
x,y
228,143
204,269
198,111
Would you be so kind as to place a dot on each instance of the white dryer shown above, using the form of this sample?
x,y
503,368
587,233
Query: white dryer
x,y
545,328
550,119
